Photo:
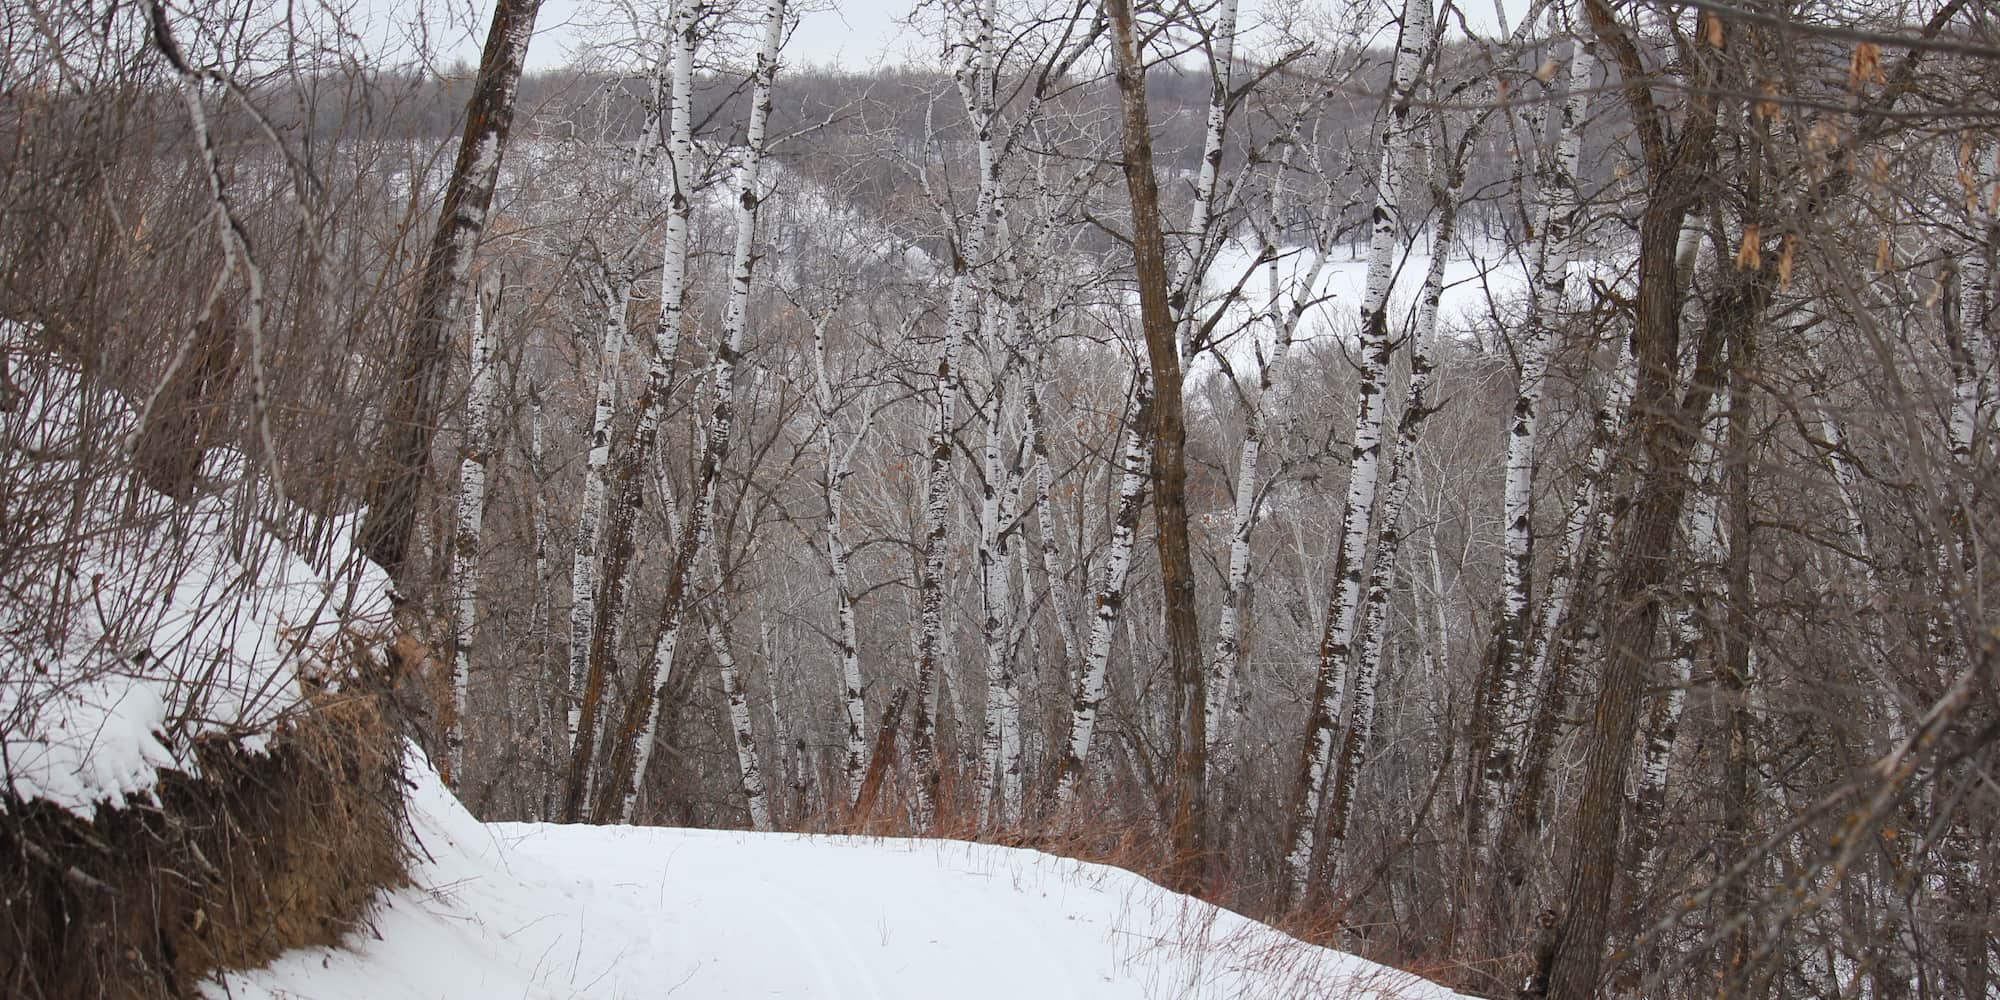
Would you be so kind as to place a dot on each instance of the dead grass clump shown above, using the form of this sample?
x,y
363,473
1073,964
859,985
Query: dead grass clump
x,y
262,853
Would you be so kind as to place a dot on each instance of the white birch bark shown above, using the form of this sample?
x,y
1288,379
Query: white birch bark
x,y
1135,460
614,291
1226,703
1581,518
1000,771
1357,514
1192,272
1388,546
1559,638
1962,348
854,756
1504,714
976,86
700,510
749,768
1045,519
465,544
581,785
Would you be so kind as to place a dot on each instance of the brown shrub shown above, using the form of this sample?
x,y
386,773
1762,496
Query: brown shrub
x,y
261,853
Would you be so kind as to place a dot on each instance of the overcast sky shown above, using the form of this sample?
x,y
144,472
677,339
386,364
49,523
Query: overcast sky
x,y
855,34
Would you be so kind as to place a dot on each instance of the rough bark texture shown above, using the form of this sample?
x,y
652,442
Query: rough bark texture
x,y
1309,789
185,415
636,736
416,396
1189,742
472,475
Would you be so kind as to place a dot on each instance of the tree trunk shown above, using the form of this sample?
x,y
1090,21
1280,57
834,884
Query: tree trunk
x,y
1224,701
1189,742
184,416
1000,741
743,736
975,79
636,736
1504,717
613,290
472,472
416,396
1388,546
1357,515
1560,635
617,548
854,759
1134,462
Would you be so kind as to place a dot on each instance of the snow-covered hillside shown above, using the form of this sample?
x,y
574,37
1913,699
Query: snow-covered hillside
x,y
134,626
543,911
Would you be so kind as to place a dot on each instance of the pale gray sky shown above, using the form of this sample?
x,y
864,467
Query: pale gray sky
x,y
858,34
855,34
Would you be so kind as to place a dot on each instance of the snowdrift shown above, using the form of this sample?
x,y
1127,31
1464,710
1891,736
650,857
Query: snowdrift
x,y
546,911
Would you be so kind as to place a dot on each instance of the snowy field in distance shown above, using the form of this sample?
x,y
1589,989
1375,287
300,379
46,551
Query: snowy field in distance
x,y
543,911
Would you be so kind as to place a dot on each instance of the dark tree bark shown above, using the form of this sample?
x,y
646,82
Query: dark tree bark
x,y
1659,437
416,395
1189,744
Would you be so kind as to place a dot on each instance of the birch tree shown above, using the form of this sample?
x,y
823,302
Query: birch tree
x,y
1134,463
839,461
1446,193
1498,730
472,473
743,736
976,78
1400,130
416,395
616,546
638,732
614,291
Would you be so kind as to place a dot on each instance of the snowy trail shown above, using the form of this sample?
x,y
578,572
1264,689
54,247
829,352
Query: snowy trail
x,y
538,911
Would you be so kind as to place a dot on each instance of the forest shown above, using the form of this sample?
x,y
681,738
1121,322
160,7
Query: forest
x,y
1507,501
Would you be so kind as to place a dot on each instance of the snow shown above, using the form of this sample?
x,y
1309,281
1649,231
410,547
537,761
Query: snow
x,y
546,911
132,628
1482,277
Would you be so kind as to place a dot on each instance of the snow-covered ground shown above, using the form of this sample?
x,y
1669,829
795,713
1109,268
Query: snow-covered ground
x,y
541,911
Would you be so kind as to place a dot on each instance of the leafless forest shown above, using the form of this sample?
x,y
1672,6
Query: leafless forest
x,y
1511,502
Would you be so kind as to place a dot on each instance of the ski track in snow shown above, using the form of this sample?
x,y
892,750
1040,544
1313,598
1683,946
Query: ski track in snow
x,y
543,911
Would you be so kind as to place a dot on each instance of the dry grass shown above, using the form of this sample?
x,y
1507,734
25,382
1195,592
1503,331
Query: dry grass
x,y
1143,847
263,853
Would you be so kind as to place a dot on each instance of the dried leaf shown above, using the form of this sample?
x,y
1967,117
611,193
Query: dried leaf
x,y
1883,260
1547,70
1750,256
1867,66
1768,107
1785,262
1711,30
